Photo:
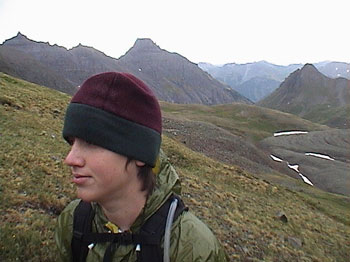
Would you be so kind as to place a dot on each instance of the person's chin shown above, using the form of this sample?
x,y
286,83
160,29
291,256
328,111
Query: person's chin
x,y
84,195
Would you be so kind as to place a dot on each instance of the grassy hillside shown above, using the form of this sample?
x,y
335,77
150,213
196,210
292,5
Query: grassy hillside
x,y
338,117
20,64
34,185
244,212
249,121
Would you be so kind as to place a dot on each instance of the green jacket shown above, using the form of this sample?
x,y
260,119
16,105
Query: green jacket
x,y
191,239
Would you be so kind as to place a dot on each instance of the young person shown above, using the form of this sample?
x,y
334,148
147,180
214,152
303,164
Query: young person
x,y
132,211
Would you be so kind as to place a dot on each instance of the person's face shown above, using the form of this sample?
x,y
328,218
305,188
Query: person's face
x,y
99,174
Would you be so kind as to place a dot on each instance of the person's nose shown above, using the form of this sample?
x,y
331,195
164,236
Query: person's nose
x,y
75,157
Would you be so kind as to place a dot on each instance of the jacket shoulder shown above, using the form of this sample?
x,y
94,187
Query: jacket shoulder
x,y
195,241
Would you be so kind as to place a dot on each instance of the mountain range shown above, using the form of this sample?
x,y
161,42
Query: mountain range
x,y
257,80
302,90
171,76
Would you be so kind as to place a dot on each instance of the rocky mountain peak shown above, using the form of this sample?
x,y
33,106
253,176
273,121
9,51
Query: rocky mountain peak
x,y
309,68
19,39
145,45
306,74
310,94
21,36
81,47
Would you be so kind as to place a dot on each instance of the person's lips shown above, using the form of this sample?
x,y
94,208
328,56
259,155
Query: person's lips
x,y
80,179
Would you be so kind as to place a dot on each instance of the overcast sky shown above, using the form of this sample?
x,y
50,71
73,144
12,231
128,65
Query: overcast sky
x,y
215,31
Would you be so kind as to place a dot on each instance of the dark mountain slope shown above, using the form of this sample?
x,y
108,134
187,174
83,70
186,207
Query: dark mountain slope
x,y
73,65
23,65
308,93
174,78
88,61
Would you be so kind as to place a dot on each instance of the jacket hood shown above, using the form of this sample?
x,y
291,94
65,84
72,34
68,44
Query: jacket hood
x,y
167,182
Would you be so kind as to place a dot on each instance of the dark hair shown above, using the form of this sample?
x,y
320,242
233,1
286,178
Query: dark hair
x,y
148,178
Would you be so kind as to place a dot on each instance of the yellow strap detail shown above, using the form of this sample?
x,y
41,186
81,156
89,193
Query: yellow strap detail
x,y
156,168
112,227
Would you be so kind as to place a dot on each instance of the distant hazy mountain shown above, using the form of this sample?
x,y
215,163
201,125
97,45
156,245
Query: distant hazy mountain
x,y
334,69
257,87
267,77
172,77
314,96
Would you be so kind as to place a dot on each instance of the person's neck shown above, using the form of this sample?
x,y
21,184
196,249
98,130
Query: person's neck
x,y
124,211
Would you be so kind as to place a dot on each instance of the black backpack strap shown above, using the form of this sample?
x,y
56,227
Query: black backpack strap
x,y
149,238
82,222
154,229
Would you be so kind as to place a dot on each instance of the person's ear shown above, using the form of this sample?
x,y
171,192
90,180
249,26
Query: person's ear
x,y
139,163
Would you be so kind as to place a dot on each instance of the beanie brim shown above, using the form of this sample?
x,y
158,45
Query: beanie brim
x,y
111,132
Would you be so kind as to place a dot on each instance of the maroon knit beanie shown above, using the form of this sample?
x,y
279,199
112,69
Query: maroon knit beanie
x,y
116,111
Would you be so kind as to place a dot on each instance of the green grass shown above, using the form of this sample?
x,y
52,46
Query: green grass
x,y
252,122
338,117
241,209
33,184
